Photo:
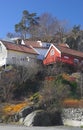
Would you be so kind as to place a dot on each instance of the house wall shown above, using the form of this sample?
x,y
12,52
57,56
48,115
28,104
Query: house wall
x,y
3,54
67,58
19,58
52,56
70,59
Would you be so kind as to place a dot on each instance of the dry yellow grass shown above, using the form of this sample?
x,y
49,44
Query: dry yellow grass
x,y
12,108
73,103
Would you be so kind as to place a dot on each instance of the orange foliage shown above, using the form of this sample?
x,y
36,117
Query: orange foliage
x,y
73,103
49,78
11,109
68,77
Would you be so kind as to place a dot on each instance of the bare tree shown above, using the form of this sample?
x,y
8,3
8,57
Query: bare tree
x,y
26,72
50,28
14,78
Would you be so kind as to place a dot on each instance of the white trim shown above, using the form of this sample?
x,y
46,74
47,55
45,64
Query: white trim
x,y
50,48
67,45
52,52
66,57
3,55
22,42
34,50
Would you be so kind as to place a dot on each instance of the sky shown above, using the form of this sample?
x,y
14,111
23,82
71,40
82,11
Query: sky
x,y
11,12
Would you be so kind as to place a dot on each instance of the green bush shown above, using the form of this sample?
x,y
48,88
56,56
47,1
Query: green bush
x,y
35,97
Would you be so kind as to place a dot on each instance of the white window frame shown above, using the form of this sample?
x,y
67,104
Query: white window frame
x,y
76,60
66,57
52,52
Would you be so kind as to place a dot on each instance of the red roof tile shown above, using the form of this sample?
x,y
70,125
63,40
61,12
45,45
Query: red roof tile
x,y
20,48
70,51
34,44
63,45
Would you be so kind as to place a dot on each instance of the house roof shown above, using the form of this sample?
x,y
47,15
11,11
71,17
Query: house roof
x,y
35,44
63,45
52,45
20,48
32,43
66,50
70,51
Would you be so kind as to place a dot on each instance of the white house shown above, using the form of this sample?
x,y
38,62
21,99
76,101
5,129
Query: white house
x,y
15,53
3,54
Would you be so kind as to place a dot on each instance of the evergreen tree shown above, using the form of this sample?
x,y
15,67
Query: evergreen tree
x,y
27,21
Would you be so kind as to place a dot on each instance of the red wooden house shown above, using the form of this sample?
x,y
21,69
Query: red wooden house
x,y
62,53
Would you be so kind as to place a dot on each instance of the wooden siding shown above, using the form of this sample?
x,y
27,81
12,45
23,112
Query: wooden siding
x,y
65,58
54,54
51,56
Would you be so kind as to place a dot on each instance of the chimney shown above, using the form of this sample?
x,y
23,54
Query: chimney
x,y
17,40
40,43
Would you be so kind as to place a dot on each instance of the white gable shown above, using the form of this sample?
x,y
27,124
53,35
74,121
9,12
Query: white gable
x,y
50,48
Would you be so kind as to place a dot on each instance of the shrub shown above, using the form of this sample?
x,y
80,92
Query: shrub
x,y
53,93
35,97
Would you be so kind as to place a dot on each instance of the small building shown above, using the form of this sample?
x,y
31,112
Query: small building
x,y
62,53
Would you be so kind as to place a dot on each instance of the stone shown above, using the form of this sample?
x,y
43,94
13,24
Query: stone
x,y
28,121
37,118
21,120
23,113
43,118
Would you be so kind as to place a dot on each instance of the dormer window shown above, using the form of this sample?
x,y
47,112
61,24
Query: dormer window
x,y
48,45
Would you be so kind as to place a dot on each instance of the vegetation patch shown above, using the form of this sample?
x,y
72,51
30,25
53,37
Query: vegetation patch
x,y
11,109
75,103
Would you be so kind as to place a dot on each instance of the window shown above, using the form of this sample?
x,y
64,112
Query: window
x,y
47,45
52,52
27,59
66,57
14,60
76,60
